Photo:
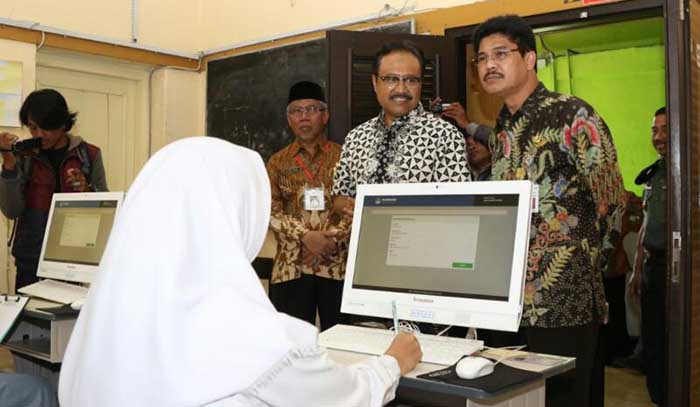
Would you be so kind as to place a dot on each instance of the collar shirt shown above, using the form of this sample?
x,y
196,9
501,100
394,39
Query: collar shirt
x,y
655,189
418,147
485,175
561,144
292,171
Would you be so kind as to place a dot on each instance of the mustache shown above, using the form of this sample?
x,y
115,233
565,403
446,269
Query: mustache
x,y
406,96
493,74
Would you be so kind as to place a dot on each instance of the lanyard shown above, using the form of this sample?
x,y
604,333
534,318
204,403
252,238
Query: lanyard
x,y
303,167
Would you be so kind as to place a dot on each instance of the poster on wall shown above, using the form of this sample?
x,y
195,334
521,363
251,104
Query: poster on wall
x,y
10,93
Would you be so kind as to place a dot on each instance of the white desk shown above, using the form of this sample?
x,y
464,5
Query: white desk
x,y
420,392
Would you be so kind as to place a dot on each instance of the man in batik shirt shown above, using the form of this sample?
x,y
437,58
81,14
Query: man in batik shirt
x,y
404,143
309,266
564,147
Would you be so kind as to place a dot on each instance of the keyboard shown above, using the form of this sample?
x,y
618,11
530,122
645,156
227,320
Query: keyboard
x,y
441,350
55,291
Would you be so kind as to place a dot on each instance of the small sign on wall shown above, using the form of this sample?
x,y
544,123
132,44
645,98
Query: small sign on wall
x,y
10,93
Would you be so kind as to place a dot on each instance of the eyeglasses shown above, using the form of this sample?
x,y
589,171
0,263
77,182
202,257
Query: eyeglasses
x,y
298,111
498,56
392,81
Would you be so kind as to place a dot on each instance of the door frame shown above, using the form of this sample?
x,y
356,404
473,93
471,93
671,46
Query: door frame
x,y
459,37
679,274
138,151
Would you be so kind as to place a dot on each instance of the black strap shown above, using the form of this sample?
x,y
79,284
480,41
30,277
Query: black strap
x,y
84,156
646,174
12,235
27,163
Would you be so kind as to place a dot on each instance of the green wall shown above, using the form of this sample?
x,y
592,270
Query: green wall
x,y
625,86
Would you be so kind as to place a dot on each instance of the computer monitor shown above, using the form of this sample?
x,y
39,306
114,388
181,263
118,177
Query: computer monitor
x,y
76,234
446,253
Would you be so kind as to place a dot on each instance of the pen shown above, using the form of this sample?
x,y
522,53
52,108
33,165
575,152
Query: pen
x,y
395,314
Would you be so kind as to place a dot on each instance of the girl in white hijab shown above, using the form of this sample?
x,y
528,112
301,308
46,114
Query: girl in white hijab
x,y
177,316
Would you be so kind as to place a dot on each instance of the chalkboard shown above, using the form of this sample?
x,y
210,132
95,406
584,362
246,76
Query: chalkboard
x,y
247,94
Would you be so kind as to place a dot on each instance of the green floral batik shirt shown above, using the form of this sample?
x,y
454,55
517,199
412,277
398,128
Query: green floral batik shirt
x,y
560,143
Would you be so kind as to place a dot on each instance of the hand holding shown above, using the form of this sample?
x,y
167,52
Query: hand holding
x,y
406,350
76,180
9,161
456,112
318,243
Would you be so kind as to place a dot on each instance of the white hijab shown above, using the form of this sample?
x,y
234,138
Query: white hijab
x,y
177,316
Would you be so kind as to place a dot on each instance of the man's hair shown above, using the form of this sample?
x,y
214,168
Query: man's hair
x,y
48,110
512,26
400,46
662,110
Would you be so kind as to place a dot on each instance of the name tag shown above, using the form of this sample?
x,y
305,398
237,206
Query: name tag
x,y
314,200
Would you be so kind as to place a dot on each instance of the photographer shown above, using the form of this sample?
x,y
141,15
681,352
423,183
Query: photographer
x,y
476,137
61,163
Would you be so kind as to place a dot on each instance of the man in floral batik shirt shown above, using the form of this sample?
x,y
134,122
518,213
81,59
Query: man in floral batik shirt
x,y
564,147
309,267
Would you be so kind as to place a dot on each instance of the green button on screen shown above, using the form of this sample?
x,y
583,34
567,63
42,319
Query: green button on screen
x,y
458,265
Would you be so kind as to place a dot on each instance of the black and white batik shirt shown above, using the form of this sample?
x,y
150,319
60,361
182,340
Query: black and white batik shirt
x,y
418,147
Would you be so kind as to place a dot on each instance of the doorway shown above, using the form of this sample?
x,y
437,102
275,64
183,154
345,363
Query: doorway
x,y
627,59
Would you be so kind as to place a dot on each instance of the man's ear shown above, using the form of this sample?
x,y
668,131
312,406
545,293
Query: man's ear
x,y
374,82
531,60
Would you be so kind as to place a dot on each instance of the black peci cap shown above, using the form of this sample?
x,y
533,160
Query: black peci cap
x,y
306,90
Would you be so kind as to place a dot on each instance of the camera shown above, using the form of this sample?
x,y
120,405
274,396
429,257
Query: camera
x,y
440,107
20,146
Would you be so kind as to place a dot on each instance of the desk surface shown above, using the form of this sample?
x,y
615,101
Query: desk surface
x,y
35,308
411,380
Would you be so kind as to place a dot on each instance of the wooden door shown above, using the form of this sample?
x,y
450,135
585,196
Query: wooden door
x,y
350,57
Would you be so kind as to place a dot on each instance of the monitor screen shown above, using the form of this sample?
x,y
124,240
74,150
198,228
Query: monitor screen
x,y
76,235
446,253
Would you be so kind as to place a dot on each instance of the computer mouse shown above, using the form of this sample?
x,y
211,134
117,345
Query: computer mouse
x,y
473,367
77,304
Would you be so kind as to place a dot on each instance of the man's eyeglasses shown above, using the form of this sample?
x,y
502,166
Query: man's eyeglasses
x,y
392,81
498,56
298,111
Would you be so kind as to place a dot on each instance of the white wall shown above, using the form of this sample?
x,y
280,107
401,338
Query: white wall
x,y
177,100
196,25
177,106
162,23
25,53
225,22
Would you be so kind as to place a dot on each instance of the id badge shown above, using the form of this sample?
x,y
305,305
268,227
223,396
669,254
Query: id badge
x,y
314,200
